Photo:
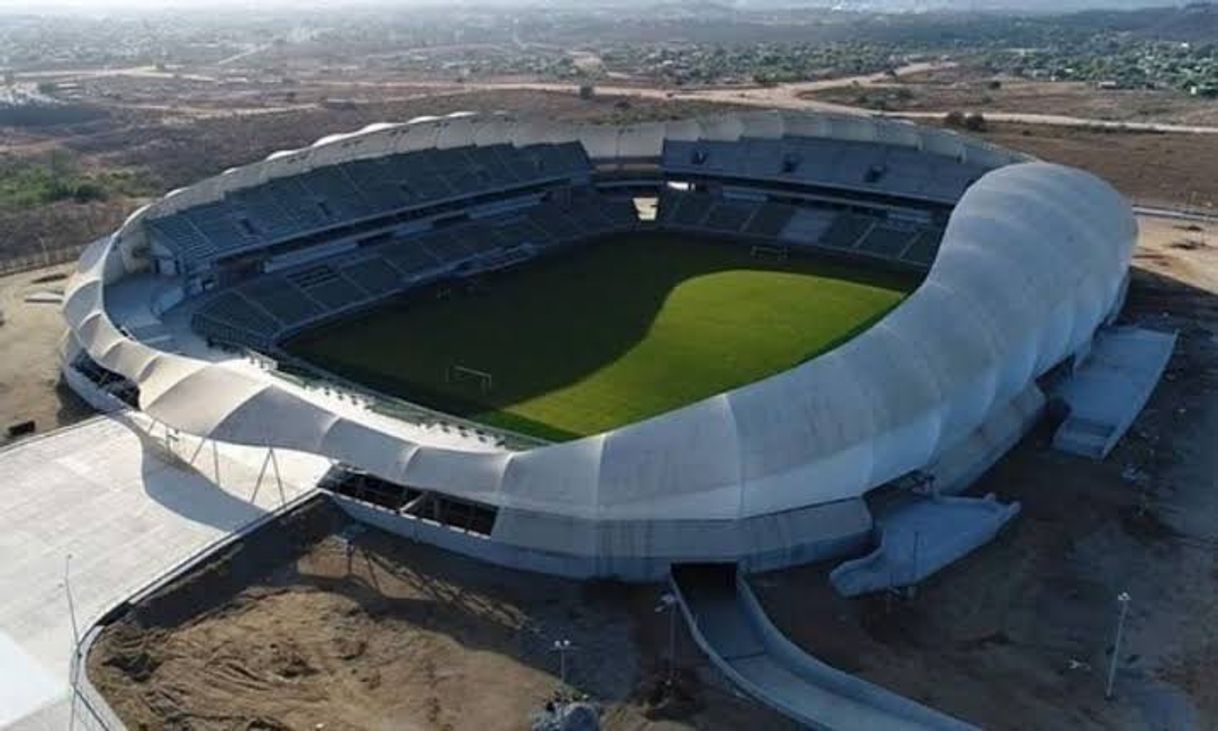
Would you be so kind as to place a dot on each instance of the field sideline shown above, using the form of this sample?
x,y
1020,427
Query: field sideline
x,y
607,335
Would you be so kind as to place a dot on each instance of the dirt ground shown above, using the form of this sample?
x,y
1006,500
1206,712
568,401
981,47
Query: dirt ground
x,y
1018,635
393,635
30,386
967,88
1159,169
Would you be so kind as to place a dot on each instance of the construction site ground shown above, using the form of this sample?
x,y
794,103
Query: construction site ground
x,y
319,623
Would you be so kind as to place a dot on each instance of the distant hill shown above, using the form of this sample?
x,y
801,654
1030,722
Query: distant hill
x,y
1016,21
1038,7
1193,22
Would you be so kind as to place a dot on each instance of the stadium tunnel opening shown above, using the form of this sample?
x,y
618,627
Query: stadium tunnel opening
x,y
467,516
107,380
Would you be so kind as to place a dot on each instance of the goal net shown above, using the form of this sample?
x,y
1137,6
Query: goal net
x,y
481,380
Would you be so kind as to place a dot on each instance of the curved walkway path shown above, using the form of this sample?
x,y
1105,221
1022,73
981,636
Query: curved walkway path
x,y
729,625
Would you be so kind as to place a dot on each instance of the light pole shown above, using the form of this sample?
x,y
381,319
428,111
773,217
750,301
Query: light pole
x,y
74,667
668,603
562,647
67,588
1123,600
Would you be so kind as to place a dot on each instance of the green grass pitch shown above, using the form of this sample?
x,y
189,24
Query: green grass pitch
x,y
613,333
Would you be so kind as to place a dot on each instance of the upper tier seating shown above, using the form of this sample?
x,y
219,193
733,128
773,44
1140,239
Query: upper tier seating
x,y
295,206
188,241
262,311
857,166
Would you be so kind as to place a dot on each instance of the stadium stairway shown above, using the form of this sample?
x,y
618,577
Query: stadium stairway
x,y
729,625
1109,388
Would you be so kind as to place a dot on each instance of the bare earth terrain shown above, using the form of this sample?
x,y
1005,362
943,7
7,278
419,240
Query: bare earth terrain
x,y
30,386
391,635
970,89
1170,170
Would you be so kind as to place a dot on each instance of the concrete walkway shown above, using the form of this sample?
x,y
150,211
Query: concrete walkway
x,y
729,625
127,511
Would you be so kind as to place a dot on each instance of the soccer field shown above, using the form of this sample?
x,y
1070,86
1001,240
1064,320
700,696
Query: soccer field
x,y
606,335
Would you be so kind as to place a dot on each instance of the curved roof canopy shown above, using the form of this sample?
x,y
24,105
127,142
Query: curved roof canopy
x,y
1031,262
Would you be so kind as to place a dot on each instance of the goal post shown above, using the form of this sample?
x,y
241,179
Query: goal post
x,y
458,373
769,251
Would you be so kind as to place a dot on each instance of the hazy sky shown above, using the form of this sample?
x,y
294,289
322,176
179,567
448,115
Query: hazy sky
x,y
102,6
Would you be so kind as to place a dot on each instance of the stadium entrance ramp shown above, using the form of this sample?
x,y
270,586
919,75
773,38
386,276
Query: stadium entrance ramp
x,y
730,626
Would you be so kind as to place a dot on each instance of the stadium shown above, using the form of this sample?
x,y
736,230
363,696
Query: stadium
x,y
599,351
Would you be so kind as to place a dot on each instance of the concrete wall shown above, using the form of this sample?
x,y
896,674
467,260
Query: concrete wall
x,y
735,538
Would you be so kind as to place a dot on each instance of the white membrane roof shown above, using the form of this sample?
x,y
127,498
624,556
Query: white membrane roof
x,y
1031,262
